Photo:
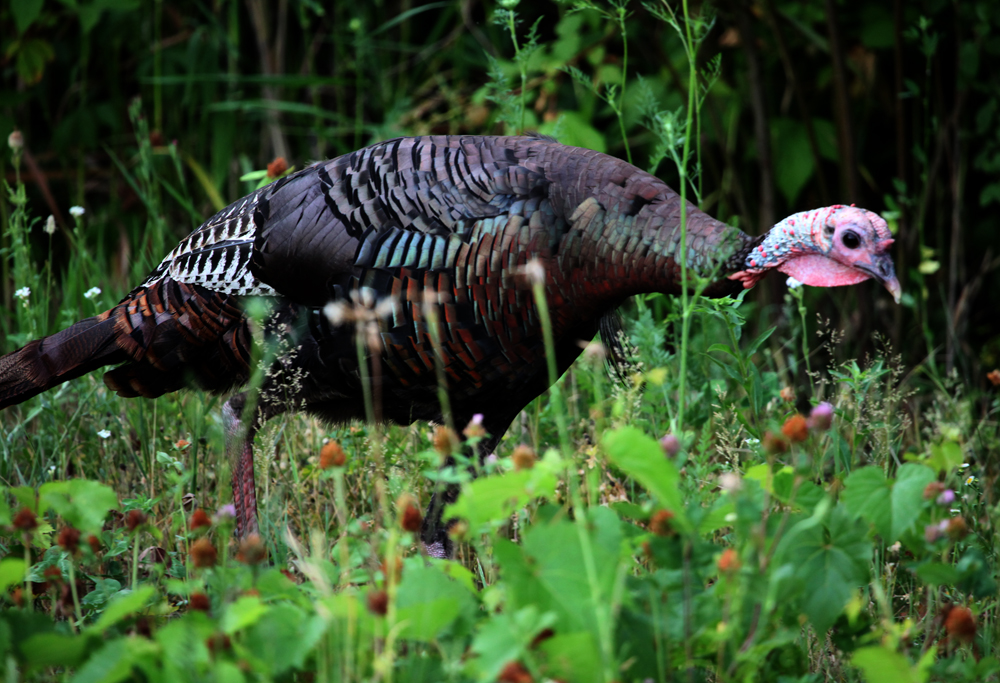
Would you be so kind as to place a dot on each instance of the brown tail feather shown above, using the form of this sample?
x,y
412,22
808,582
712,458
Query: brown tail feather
x,y
44,363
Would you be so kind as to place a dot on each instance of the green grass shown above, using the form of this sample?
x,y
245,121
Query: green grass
x,y
741,557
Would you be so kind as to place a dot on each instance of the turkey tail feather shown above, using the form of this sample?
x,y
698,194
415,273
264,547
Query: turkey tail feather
x,y
60,357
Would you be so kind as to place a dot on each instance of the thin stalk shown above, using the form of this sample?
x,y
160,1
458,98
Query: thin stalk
x,y
521,66
76,597
621,99
682,247
601,607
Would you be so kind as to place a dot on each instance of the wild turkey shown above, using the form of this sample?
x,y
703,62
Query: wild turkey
x,y
455,215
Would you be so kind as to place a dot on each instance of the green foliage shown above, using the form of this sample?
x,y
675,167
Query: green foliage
x,y
741,557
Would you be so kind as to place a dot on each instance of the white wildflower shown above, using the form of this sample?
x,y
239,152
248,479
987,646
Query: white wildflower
x,y
104,433
92,292
50,225
969,480
793,283
730,482
750,441
23,293
77,211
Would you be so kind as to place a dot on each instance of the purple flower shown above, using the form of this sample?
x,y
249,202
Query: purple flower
x,y
947,497
225,514
821,417
671,445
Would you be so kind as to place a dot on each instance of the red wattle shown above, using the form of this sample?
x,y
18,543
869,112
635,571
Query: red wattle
x,y
819,271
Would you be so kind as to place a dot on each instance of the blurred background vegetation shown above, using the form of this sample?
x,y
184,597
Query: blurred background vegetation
x,y
892,105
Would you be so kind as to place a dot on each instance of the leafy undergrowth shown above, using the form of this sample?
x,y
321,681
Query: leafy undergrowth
x,y
855,544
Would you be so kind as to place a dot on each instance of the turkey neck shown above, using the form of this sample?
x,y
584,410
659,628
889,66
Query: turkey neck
x,y
622,237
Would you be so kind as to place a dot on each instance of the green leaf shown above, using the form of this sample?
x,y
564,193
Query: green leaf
x,y
938,574
285,638
25,12
428,602
831,558
11,572
81,503
793,160
488,501
945,456
576,131
574,657
880,664
908,497
54,649
503,638
893,507
641,458
124,604
243,613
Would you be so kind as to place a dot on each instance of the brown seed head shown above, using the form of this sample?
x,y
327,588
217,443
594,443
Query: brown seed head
x,y
445,440
53,574
542,636
660,523
182,444
524,457
795,428
332,455
933,490
18,597
135,519
671,445
514,672
774,444
95,543
203,553
994,377
199,520
475,429
277,168
787,394
957,528
378,603
69,539
199,602
252,550
25,520
218,642
729,561
960,624
409,514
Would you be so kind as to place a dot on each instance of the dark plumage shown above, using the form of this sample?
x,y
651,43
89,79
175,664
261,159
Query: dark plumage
x,y
382,227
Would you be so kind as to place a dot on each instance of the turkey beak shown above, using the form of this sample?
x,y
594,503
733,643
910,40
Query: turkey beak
x,y
881,269
892,284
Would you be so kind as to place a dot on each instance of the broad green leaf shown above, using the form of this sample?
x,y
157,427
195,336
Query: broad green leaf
x,y
945,456
880,665
549,570
243,613
81,503
428,602
867,494
832,560
503,637
114,661
54,649
908,497
25,12
938,574
284,639
574,657
5,516
11,572
123,604
576,131
641,458
488,501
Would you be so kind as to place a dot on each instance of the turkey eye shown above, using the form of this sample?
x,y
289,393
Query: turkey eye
x,y
851,240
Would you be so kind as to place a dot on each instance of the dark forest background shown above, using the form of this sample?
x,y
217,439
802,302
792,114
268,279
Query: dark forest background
x,y
891,105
